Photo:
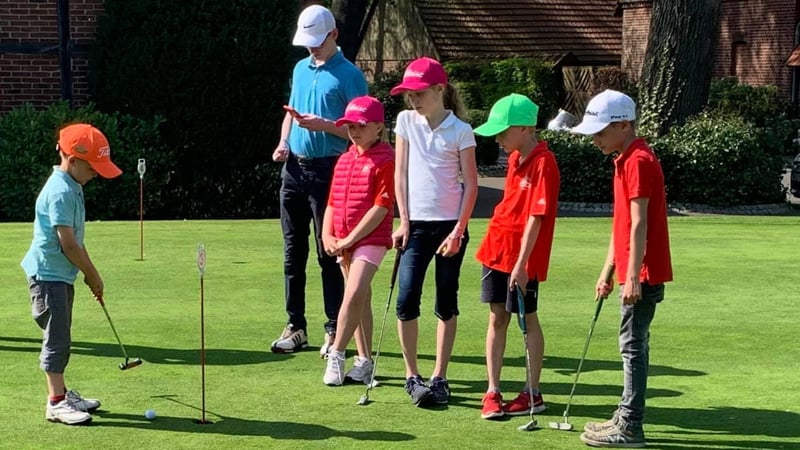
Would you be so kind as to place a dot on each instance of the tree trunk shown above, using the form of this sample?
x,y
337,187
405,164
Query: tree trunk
x,y
350,16
678,63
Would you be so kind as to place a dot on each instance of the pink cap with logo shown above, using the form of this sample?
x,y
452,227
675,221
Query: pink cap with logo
x,y
420,74
362,110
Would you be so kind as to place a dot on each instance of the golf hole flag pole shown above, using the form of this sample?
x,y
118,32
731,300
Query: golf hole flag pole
x,y
141,168
201,267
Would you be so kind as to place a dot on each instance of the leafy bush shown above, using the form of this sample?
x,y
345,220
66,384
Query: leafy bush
x,y
585,172
721,161
27,155
482,83
218,72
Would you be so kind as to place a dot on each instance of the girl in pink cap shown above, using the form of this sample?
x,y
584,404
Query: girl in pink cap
x,y
433,148
357,228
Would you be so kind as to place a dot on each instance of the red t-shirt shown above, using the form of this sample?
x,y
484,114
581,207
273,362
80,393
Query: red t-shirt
x,y
637,174
531,190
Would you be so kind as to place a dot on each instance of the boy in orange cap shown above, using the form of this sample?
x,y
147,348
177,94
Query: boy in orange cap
x,y
57,254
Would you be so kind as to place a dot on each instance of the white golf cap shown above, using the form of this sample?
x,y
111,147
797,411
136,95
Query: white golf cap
x,y
605,108
313,25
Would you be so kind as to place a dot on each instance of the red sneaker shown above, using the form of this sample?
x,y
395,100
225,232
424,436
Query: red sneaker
x,y
492,406
522,404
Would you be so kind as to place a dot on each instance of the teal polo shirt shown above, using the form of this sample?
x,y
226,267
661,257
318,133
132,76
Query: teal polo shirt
x,y
323,91
60,203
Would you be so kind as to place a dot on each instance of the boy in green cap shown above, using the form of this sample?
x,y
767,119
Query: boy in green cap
x,y
516,248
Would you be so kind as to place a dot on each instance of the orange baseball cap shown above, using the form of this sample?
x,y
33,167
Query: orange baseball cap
x,y
86,142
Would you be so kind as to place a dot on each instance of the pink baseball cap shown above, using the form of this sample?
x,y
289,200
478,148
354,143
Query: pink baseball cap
x,y
362,110
420,74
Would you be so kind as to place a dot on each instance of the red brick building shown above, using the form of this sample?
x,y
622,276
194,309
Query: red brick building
x,y
29,50
756,37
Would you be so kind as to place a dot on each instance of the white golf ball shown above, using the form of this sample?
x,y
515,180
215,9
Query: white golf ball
x,y
150,414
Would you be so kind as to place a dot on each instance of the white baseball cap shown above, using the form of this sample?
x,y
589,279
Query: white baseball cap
x,y
605,108
313,25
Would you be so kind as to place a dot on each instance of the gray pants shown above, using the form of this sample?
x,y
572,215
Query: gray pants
x,y
634,346
51,307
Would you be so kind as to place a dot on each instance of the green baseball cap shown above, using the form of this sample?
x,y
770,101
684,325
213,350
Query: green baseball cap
x,y
510,111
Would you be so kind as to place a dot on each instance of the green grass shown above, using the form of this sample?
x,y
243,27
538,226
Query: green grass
x,y
724,346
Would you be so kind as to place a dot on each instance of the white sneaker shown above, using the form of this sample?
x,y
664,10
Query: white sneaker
x,y
66,412
361,371
334,372
326,346
84,404
290,341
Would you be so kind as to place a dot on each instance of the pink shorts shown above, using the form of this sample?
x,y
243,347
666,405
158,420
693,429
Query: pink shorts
x,y
372,254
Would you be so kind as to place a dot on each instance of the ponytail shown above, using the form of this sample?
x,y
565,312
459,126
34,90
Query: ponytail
x,y
452,101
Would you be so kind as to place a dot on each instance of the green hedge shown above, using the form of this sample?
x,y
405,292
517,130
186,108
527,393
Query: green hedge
x,y
722,161
27,156
218,72
585,171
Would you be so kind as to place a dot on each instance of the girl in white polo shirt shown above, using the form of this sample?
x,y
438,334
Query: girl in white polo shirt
x,y
433,147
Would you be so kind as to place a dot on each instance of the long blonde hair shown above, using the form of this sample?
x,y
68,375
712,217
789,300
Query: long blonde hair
x,y
451,100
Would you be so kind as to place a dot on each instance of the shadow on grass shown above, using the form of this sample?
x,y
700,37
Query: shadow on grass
x,y
561,365
242,427
714,426
152,355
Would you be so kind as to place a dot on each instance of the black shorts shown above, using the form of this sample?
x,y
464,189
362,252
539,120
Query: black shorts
x,y
494,289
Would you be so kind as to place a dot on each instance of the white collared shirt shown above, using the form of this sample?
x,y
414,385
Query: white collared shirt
x,y
434,191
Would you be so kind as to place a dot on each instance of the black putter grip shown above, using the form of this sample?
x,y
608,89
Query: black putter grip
x,y
395,267
521,306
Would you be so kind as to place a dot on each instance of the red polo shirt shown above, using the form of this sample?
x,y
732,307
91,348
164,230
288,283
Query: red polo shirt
x,y
531,189
637,174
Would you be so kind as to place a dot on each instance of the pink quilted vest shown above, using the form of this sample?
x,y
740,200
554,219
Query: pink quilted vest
x,y
353,190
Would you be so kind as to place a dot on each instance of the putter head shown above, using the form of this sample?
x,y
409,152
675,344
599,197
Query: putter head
x,y
563,426
130,364
530,426
363,400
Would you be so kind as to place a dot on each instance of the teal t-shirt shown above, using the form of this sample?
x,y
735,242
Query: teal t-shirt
x,y
323,91
60,203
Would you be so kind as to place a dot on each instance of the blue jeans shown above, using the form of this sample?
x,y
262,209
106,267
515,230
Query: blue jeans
x,y
304,196
634,346
424,239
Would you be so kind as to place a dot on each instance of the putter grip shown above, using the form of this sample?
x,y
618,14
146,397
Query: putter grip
x,y
396,266
521,306
608,277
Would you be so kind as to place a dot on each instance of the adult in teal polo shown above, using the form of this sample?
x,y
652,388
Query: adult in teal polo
x,y
322,86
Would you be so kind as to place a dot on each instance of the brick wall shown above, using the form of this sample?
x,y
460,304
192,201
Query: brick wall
x,y
29,69
766,27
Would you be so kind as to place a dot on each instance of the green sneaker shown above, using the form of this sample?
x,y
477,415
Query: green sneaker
x,y
614,437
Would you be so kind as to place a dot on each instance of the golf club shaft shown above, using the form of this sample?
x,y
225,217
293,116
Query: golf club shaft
x,y
202,352
124,353
608,275
395,268
141,218
523,325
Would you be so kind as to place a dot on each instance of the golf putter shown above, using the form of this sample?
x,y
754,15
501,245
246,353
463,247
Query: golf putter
x,y
127,364
608,275
523,325
372,383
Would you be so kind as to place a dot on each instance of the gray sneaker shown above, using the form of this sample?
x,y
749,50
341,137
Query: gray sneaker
x,y
615,437
599,427
84,404
291,340
67,413
361,371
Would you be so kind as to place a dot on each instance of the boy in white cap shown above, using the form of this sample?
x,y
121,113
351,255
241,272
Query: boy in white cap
x,y
639,249
56,255
322,86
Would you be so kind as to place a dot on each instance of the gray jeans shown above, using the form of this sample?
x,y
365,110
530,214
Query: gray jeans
x,y
51,307
634,346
